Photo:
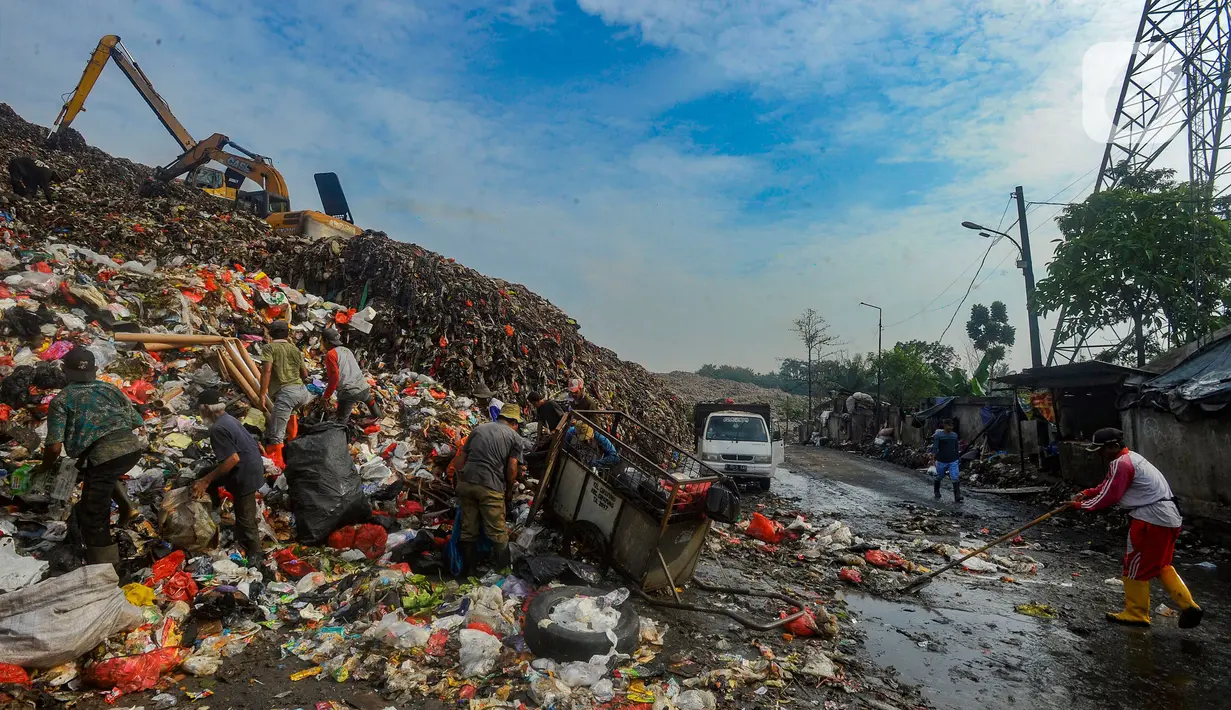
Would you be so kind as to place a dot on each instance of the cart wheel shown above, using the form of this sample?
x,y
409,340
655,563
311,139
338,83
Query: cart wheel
x,y
584,542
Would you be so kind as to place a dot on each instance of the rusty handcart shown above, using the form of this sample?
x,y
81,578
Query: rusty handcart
x,y
641,511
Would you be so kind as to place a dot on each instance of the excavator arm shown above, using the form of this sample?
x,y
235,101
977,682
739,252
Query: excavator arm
x,y
248,166
110,47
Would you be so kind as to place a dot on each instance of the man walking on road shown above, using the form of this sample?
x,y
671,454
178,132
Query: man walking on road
x,y
945,456
239,469
487,470
282,378
1139,487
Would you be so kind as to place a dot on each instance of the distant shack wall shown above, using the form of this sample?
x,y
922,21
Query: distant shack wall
x,y
1191,455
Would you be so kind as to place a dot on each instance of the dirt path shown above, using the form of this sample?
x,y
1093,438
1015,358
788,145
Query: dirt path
x,y
960,638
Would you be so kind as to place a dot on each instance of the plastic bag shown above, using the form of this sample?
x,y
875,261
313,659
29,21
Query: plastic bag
x,y
765,530
11,674
17,572
479,653
887,560
180,587
541,569
850,574
325,489
696,700
590,614
186,523
547,691
132,674
368,538
291,565
578,673
804,625
57,620
201,665
397,633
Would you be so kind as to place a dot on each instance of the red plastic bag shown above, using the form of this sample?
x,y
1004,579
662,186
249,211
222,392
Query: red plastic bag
x,y
11,674
765,530
408,508
887,560
139,391
436,643
180,587
850,574
342,538
167,566
291,565
803,626
367,538
132,674
480,626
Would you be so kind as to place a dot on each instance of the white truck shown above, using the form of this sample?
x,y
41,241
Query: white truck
x,y
738,440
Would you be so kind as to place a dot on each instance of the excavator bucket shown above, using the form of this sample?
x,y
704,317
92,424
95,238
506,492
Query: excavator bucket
x,y
333,200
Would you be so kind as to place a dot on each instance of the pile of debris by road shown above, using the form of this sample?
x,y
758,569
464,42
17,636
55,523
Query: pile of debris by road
x,y
172,297
991,469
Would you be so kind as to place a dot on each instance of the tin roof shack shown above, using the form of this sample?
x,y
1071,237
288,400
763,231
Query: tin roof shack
x,y
1182,423
1086,396
970,415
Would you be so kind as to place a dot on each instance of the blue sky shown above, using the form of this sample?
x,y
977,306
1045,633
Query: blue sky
x,y
682,177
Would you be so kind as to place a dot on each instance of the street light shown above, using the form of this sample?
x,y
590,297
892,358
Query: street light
x,y
880,331
1027,267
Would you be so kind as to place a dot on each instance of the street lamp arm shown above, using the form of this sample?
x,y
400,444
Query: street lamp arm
x,y
981,229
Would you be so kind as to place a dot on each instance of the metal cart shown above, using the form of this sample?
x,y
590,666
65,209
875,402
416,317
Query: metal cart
x,y
643,513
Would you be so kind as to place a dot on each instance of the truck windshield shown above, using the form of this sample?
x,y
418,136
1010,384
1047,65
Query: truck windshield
x,y
734,428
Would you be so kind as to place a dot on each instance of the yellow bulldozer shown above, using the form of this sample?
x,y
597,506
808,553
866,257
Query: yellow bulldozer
x,y
271,202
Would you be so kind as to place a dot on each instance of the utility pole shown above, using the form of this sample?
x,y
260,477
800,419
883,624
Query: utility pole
x,y
880,332
1036,348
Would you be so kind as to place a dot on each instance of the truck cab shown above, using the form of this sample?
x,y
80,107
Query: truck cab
x,y
738,440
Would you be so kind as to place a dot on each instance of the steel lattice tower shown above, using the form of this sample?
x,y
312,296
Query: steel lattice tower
x,y
1177,82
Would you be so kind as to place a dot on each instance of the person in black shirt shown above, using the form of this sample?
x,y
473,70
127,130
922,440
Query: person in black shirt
x,y
548,414
28,176
240,470
945,455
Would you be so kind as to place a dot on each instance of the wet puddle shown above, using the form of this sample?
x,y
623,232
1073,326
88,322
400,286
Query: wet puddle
x,y
961,659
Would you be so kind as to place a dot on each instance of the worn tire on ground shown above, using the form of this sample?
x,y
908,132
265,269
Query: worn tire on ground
x,y
564,645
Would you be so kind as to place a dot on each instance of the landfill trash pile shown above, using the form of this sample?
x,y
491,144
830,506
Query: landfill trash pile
x,y
373,600
694,388
429,313
472,332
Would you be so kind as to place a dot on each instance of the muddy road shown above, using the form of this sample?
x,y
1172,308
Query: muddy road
x,y
960,638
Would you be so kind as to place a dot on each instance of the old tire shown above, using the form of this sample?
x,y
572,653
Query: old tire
x,y
563,645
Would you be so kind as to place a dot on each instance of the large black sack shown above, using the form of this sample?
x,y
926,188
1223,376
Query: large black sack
x,y
722,501
325,489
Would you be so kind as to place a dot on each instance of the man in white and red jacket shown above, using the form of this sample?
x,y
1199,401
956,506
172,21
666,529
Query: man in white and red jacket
x,y
344,376
1136,485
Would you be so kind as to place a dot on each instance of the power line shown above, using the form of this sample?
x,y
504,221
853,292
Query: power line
x,y
967,294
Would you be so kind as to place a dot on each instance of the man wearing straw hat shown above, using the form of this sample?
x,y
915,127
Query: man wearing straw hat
x,y
487,470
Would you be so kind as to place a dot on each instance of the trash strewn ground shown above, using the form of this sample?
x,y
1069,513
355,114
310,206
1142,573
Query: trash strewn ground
x,y
377,615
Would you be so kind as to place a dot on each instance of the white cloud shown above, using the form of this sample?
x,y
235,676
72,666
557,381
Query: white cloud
x,y
642,240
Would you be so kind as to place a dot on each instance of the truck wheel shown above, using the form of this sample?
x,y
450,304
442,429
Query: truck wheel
x,y
563,645
764,483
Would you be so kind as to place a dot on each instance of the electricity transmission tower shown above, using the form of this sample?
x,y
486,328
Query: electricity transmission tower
x,y
1177,84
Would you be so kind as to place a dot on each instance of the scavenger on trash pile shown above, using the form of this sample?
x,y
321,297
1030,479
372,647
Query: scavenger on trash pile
x,y
487,470
1138,486
345,378
27,177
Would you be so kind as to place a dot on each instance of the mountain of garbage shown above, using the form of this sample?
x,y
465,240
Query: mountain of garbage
x,y
694,388
433,315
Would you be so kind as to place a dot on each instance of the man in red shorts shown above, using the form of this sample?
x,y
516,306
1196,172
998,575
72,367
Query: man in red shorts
x,y
1139,487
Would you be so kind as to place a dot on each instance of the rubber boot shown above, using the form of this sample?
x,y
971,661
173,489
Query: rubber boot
x,y
500,555
127,510
936,488
109,555
957,491
1190,613
292,427
1136,604
470,561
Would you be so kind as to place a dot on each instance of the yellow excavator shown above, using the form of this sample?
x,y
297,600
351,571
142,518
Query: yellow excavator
x,y
272,202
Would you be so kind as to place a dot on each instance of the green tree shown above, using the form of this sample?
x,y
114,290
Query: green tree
x,y
990,332
906,377
1151,254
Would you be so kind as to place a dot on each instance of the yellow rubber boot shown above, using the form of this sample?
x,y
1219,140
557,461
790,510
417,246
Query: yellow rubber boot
x,y
1136,604
1190,613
